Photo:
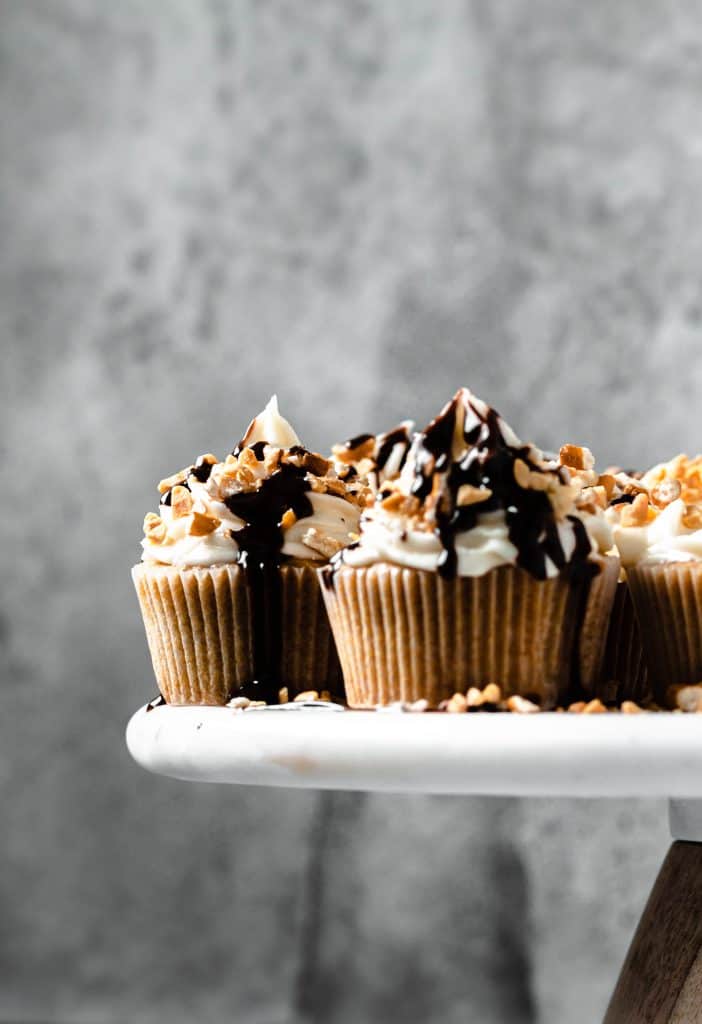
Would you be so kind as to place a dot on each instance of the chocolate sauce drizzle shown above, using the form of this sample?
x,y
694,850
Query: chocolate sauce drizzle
x,y
260,554
260,545
489,462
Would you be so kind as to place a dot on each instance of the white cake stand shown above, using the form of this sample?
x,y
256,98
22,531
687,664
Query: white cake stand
x,y
641,755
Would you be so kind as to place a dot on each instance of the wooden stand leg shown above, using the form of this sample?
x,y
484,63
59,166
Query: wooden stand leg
x,y
661,980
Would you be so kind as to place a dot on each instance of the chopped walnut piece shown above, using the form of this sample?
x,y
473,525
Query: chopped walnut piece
x,y
332,485
469,495
362,450
594,707
635,514
181,501
474,697
283,695
692,517
288,520
576,457
689,698
457,704
306,695
393,502
202,524
492,694
238,703
316,464
665,492
154,528
171,481
607,481
247,460
324,544
630,708
522,706
419,705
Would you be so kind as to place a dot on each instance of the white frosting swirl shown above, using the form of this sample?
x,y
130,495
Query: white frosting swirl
x,y
395,530
393,538
180,541
664,539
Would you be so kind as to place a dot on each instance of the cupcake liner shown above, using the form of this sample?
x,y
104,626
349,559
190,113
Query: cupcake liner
x,y
668,602
199,623
407,634
624,672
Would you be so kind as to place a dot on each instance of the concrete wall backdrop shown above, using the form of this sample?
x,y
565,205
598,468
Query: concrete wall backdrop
x,y
358,205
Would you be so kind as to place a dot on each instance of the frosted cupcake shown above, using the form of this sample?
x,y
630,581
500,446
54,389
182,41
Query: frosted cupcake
x,y
227,584
481,562
658,533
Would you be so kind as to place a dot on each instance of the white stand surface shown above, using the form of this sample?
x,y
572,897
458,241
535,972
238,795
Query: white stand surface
x,y
656,754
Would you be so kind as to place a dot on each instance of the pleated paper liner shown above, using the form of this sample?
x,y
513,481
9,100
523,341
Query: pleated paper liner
x,y
668,603
200,634
406,634
624,672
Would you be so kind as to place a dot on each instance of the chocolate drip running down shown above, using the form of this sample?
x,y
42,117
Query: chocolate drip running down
x,y
489,462
260,543
260,554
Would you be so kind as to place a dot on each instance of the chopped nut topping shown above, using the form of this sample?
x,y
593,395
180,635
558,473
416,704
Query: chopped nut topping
x,y
474,697
419,705
630,708
469,495
288,520
635,514
594,707
238,703
316,464
457,704
608,482
692,517
322,543
576,457
306,695
202,524
522,706
247,460
363,450
154,528
181,501
492,694
171,481
283,695
665,492
577,707
689,698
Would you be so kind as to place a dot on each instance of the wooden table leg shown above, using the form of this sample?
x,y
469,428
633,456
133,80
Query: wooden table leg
x,y
661,980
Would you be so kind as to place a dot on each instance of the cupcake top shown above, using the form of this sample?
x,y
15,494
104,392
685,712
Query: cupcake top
x,y
270,498
469,496
658,517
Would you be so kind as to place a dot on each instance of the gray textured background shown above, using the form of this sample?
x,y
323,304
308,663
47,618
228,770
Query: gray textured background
x,y
361,206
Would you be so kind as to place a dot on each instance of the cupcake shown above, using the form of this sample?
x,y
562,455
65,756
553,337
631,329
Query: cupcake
x,y
481,561
658,533
227,584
